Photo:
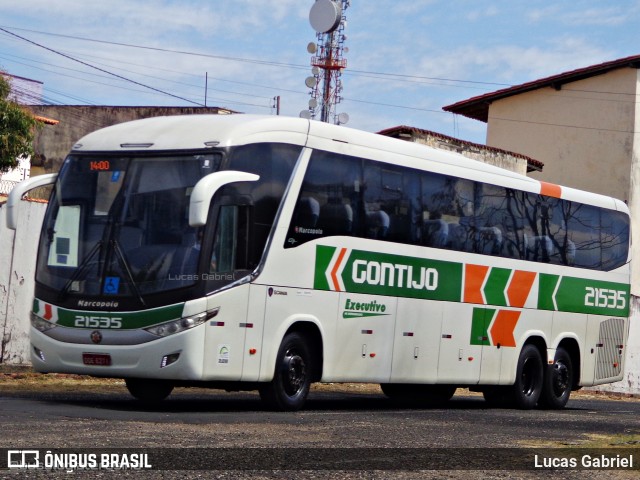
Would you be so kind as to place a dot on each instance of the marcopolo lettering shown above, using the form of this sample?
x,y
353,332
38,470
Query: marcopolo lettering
x,y
394,275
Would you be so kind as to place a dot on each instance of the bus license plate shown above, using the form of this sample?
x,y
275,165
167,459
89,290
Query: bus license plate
x,y
99,359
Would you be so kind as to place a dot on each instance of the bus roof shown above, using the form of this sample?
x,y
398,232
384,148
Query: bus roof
x,y
190,132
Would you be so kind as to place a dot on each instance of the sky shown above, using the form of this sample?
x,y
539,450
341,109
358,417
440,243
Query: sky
x,y
406,59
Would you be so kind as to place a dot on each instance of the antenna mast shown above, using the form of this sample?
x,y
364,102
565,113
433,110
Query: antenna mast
x,y
328,19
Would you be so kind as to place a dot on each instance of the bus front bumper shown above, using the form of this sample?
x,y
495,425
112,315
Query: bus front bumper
x,y
176,357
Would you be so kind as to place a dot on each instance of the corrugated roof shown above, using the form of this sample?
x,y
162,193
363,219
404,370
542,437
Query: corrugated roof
x,y
478,107
532,164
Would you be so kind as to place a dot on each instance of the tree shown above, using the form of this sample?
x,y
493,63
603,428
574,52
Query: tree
x,y
17,128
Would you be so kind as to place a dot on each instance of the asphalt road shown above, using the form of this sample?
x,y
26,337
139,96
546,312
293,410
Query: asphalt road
x,y
343,433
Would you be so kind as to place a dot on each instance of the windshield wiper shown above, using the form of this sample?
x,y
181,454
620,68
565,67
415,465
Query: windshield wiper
x,y
125,266
80,270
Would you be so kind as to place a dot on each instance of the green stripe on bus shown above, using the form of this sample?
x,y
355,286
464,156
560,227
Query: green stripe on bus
x,y
323,258
480,326
582,295
546,286
402,276
494,290
130,320
393,275
592,296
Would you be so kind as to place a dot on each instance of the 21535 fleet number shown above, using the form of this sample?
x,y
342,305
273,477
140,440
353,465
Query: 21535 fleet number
x,y
605,298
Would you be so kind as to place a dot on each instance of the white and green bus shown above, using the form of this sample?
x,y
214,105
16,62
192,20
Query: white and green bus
x,y
267,253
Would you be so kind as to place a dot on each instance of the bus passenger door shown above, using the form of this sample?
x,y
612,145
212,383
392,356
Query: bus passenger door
x,y
225,334
459,359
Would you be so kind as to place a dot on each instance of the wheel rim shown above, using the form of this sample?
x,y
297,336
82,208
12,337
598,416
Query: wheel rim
x,y
529,377
294,373
560,379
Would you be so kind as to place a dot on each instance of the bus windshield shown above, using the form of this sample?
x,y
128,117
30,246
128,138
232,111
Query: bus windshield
x,y
119,225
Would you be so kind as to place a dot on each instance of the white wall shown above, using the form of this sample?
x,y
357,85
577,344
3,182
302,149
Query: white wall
x,y
17,268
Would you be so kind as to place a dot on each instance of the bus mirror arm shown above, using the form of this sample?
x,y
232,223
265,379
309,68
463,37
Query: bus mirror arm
x,y
207,187
18,192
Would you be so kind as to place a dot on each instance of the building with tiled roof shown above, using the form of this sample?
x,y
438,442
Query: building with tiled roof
x,y
476,151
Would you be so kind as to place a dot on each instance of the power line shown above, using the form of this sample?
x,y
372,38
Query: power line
x,y
385,75
237,102
99,69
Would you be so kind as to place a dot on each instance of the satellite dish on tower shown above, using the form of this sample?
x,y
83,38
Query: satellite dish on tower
x,y
325,16
306,114
343,118
312,48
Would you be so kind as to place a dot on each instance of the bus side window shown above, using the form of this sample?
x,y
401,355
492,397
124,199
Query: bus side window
x,y
580,246
614,239
329,199
490,219
274,163
437,208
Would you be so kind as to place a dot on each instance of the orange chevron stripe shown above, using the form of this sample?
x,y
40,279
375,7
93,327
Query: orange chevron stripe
x,y
474,276
550,189
520,287
503,327
334,271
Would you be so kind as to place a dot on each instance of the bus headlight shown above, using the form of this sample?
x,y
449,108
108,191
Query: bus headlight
x,y
40,323
181,324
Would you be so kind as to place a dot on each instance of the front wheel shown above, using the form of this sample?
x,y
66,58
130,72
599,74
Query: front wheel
x,y
529,378
292,378
558,381
148,390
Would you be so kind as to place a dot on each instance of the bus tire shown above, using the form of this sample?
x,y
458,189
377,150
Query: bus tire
x,y
289,388
529,378
148,390
558,381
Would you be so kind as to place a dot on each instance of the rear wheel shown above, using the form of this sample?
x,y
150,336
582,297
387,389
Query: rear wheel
x,y
148,390
529,378
558,380
292,378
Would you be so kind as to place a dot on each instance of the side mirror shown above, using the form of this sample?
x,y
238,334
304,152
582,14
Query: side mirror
x,y
207,187
19,190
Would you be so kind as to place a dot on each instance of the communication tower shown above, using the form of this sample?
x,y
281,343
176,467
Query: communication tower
x,y
329,21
